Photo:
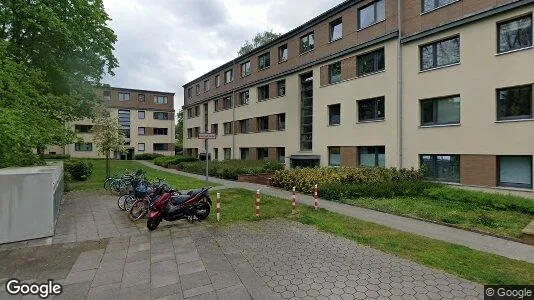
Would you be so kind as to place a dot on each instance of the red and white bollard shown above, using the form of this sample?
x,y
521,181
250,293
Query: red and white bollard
x,y
294,203
218,207
315,201
257,203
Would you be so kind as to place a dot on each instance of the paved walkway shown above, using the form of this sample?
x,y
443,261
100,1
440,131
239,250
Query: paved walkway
x,y
470,239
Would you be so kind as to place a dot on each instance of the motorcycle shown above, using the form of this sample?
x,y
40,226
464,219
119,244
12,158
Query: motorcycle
x,y
171,206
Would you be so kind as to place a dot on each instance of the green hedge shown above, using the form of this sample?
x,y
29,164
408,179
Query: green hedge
x,y
165,161
230,169
79,170
147,156
385,189
56,156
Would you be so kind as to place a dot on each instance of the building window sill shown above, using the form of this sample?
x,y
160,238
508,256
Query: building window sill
x,y
243,76
440,67
306,52
371,121
353,78
371,25
332,41
264,68
439,125
515,120
370,74
513,51
436,8
334,125
282,61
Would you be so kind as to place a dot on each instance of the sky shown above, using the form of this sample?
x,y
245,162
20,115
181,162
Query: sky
x,y
163,44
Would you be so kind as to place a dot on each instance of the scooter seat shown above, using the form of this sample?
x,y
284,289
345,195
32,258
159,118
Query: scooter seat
x,y
193,193
179,199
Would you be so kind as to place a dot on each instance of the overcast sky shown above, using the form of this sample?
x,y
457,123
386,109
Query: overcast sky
x,y
163,44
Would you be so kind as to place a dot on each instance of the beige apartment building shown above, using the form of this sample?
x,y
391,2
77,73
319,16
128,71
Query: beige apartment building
x,y
440,84
146,117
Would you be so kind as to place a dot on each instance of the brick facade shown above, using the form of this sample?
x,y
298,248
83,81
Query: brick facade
x,y
478,170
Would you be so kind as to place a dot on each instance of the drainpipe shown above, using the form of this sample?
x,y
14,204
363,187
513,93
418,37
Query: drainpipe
x,y
399,83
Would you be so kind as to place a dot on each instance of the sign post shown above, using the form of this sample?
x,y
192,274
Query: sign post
x,y
206,136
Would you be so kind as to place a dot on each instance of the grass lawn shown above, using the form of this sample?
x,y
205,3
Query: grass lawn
x,y
96,181
238,205
464,215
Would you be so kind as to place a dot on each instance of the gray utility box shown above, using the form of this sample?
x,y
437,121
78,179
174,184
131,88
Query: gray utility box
x,y
29,202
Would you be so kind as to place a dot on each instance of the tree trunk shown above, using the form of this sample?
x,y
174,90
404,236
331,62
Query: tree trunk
x,y
107,165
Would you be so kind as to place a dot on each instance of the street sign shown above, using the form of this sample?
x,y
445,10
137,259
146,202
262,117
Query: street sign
x,y
207,136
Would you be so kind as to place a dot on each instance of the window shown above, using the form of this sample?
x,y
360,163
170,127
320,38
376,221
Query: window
x,y
306,112
141,114
243,98
441,167
334,156
245,153
307,43
161,147
107,96
228,128
441,53
281,153
245,69
281,87
282,53
262,153
141,97
281,121
371,109
371,14
227,153
227,102
334,71
161,99
190,92
189,133
514,103
161,131
124,96
264,61
197,110
429,5
216,105
373,156
336,30
83,147
334,114
161,116
83,128
371,62
196,131
244,126
206,85
263,92
228,76
515,34
440,111
217,81
515,171
141,147
190,113
124,121
141,130
263,123
215,128
197,89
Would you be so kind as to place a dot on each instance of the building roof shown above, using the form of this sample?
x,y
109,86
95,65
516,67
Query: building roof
x,y
135,90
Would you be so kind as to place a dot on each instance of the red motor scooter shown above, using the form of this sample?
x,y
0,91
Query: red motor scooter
x,y
171,207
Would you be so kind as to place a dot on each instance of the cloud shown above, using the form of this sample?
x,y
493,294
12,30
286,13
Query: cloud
x,y
163,44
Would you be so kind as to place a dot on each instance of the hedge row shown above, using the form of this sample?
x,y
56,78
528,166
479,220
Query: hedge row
x,y
230,169
147,156
56,156
165,161
79,169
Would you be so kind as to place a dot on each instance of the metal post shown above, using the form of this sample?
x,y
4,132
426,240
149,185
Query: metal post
x,y
207,158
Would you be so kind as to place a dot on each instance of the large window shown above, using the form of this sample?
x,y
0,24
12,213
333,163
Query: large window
x,y
124,122
281,121
374,156
189,133
334,156
440,111
514,34
161,131
216,153
141,130
263,92
83,147
281,153
217,80
141,147
441,53
336,30
263,124
124,96
228,76
441,167
107,96
281,87
244,126
228,128
215,128
160,99
227,102
206,85
243,98
262,153
245,69
282,53
161,115
371,62
334,114
245,153
141,114
83,128
514,103
371,14
515,171
189,92
227,153
371,109
306,112
160,147
307,43
197,89
334,72
264,61
141,97
429,5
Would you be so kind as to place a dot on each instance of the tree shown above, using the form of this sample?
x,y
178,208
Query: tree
x,y
107,135
259,40
53,53
179,129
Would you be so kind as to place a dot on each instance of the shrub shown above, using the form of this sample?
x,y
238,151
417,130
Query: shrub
x,y
231,169
80,170
147,156
383,189
165,161
56,156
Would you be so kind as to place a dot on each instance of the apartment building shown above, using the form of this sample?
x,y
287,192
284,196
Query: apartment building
x,y
441,84
146,118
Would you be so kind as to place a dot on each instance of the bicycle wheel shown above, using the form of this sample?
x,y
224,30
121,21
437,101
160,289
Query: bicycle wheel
x,y
128,202
121,200
107,184
139,209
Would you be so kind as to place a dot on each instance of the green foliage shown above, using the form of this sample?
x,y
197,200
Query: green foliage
x,y
259,39
382,189
147,156
56,156
79,169
230,169
179,130
166,161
